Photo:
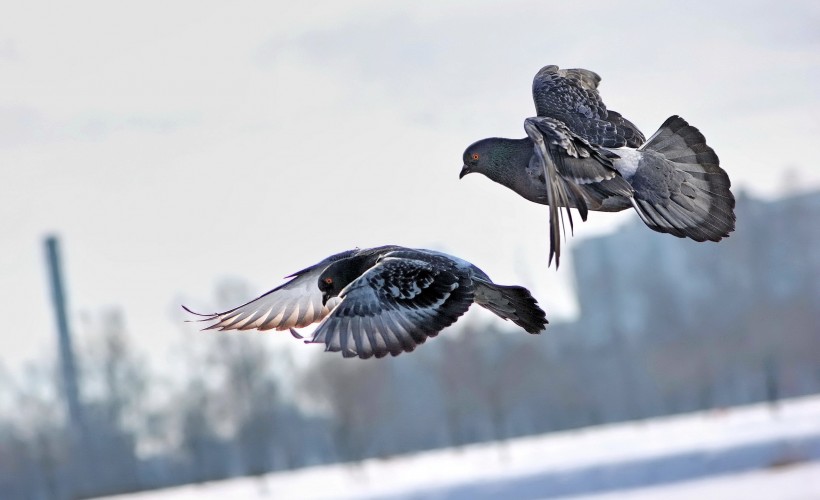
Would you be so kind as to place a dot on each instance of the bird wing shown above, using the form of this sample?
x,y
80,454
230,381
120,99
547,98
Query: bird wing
x,y
395,306
568,163
295,304
571,96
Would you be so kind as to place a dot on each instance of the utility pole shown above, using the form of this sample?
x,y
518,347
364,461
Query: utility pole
x,y
68,367
80,480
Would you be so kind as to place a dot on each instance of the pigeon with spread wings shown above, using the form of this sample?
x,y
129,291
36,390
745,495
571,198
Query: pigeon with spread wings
x,y
379,301
578,154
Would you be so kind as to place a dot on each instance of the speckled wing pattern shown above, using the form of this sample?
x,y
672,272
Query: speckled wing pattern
x,y
571,96
295,304
395,306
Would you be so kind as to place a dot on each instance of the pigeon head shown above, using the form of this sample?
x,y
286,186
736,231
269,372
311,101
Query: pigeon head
x,y
339,274
477,156
495,157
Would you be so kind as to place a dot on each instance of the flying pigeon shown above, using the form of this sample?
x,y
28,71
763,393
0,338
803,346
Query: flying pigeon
x,y
578,154
379,301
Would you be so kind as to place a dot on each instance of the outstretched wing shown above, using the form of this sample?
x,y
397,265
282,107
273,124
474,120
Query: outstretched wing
x,y
395,306
295,304
568,163
571,96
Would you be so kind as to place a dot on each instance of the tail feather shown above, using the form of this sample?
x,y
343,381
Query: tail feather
x,y
514,303
679,187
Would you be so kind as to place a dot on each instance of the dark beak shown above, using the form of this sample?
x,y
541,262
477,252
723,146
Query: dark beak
x,y
464,171
324,298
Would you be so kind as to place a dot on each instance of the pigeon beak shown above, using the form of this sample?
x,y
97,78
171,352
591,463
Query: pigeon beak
x,y
324,299
464,171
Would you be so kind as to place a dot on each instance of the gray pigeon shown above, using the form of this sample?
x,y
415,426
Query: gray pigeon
x,y
577,154
375,301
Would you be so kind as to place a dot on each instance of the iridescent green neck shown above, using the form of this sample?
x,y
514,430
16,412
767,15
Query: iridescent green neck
x,y
508,157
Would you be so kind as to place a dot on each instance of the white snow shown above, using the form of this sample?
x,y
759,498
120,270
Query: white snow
x,y
787,483
668,454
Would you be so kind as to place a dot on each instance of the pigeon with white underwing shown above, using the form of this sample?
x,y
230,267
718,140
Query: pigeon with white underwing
x,y
378,301
578,154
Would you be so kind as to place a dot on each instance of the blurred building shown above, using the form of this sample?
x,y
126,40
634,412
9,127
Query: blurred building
x,y
635,281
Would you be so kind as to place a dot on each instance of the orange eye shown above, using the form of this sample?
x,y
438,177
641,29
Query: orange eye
x,y
475,156
329,281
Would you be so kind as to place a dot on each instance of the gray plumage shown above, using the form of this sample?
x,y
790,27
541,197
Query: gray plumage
x,y
577,154
379,301
571,96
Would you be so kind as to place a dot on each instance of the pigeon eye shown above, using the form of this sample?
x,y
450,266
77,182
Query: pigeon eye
x,y
475,156
329,281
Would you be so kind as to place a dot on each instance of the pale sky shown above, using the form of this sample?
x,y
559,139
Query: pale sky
x,y
172,145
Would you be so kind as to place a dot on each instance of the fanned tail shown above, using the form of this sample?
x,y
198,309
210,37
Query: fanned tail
x,y
679,187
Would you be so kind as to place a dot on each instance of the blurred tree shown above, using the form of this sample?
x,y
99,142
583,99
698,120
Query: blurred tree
x,y
250,394
35,450
205,451
357,394
115,381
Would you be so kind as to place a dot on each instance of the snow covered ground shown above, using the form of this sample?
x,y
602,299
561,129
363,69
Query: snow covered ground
x,y
797,482
749,452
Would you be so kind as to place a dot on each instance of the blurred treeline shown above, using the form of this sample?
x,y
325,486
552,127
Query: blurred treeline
x,y
666,326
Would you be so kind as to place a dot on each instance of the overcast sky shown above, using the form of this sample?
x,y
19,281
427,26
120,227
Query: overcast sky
x,y
172,145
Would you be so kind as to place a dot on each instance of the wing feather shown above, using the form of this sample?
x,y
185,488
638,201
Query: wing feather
x,y
295,304
558,197
571,96
395,306
576,174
